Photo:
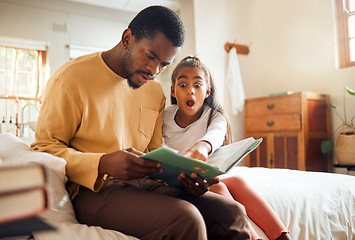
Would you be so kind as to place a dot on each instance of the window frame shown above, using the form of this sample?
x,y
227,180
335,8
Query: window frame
x,y
22,101
343,33
41,64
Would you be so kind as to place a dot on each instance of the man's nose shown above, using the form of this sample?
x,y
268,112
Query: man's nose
x,y
154,69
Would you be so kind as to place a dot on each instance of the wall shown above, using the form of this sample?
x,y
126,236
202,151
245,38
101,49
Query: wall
x,y
215,26
292,47
83,25
58,24
292,43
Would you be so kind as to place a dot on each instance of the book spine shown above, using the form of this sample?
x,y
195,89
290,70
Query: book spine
x,y
44,208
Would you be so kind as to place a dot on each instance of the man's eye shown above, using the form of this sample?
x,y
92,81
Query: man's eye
x,y
182,84
165,64
150,57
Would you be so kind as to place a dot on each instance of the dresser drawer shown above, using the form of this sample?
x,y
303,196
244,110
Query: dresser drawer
x,y
273,105
269,123
293,127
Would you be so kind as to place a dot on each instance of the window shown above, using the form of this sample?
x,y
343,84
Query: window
x,y
20,72
21,87
346,32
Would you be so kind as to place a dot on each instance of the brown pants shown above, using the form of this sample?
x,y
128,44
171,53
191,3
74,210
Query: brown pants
x,y
148,209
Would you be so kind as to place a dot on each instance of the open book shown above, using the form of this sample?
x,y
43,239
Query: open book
x,y
220,162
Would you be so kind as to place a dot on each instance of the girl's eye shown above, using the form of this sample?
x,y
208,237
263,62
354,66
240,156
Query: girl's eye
x,y
182,85
197,85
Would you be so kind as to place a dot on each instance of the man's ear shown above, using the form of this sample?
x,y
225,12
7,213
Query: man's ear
x,y
127,37
172,91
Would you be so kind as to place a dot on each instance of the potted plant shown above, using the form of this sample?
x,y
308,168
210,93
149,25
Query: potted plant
x,y
343,141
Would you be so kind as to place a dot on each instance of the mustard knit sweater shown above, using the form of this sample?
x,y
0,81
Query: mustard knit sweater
x,y
88,110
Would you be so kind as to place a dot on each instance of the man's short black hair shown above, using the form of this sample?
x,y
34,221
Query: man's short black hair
x,y
155,19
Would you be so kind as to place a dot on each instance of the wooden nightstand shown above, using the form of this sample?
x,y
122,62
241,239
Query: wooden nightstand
x,y
293,127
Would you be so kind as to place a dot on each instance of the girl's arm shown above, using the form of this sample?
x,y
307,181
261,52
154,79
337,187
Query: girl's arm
x,y
213,139
200,150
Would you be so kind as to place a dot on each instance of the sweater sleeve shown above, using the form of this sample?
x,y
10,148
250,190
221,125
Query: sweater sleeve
x,y
59,118
216,131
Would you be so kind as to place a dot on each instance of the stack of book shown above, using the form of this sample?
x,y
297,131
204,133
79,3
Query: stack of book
x,y
23,196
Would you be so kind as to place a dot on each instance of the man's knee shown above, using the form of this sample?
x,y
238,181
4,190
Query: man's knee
x,y
231,221
238,211
232,210
186,222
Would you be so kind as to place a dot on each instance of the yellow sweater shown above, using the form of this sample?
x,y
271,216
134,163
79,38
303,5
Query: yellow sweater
x,y
88,110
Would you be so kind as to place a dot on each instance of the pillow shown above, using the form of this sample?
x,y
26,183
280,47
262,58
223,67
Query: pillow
x,y
61,214
13,151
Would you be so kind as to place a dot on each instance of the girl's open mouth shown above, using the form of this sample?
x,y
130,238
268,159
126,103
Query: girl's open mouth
x,y
190,103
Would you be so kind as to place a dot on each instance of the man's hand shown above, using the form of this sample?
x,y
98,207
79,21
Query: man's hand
x,y
199,151
195,185
127,164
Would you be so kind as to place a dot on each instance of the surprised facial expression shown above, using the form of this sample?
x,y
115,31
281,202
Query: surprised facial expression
x,y
190,90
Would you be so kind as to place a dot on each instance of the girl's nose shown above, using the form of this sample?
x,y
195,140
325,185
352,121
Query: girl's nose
x,y
190,90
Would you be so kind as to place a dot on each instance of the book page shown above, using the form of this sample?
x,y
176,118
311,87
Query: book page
x,y
227,156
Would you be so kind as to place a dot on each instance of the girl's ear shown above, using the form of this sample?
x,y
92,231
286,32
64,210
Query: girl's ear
x,y
207,93
126,37
172,91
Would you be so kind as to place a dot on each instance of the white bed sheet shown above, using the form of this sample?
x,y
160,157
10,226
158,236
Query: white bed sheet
x,y
313,205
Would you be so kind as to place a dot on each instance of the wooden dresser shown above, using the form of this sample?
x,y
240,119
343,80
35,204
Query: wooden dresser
x,y
292,127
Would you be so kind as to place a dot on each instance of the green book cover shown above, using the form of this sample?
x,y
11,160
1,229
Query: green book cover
x,y
222,160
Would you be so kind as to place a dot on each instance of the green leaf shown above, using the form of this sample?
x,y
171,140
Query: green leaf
x,y
352,92
331,106
327,146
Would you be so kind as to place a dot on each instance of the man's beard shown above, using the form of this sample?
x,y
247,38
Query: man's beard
x,y
127,62
130,82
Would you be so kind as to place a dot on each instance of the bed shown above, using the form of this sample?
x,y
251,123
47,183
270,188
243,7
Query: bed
x,y
313,205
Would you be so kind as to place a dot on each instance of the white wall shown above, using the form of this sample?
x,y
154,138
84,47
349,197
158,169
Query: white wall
x,y
85,25
292,43
292,48
217,24
82,25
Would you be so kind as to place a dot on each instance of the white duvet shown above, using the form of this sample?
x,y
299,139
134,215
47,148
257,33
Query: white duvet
x,y
312,205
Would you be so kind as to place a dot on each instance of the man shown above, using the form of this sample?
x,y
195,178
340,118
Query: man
x,y
101,112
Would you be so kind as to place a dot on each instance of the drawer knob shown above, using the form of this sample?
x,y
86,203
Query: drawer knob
x,y
270,123
270,106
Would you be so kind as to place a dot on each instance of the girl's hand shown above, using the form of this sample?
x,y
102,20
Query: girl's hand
x,y
199,151
196,185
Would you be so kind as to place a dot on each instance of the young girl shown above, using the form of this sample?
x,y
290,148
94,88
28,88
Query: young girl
x,y
196,125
